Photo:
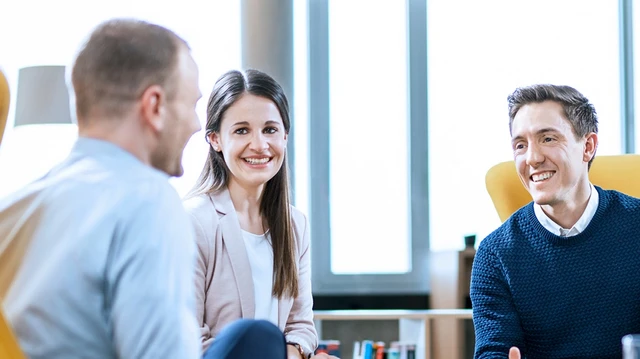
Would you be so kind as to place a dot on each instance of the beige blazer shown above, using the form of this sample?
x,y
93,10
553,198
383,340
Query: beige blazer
x,y
224,284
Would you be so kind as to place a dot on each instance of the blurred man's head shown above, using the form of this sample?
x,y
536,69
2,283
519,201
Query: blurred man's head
x,y
141,76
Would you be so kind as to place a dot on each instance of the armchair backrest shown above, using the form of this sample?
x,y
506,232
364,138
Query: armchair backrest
x,y
617,172
9,347
4,103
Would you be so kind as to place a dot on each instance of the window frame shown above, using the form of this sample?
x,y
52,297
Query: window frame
x,y
324,281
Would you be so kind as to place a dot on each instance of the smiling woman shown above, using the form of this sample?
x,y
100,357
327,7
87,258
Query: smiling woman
x,y
253,140
252,243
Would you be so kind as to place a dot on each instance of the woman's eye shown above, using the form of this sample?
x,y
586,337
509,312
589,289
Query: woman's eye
x,y
270,130
241,131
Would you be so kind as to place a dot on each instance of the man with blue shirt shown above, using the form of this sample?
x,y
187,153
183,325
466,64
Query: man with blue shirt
x,y
558,279
108,259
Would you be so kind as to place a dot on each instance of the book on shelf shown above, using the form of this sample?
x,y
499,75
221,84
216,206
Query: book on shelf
x,y
368,349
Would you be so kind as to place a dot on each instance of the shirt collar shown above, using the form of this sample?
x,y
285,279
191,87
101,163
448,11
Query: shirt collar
x,y
581,224
85,146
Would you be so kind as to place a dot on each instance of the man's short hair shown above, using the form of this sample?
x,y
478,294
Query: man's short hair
x,y
119,61
580,113
577,108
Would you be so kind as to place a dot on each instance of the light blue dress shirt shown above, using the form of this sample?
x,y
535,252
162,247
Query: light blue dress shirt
x,y
109,270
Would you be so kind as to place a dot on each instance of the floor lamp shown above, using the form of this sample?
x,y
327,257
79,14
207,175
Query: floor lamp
x,y
42,96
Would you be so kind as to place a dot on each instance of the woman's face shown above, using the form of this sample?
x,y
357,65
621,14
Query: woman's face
x,y
252,140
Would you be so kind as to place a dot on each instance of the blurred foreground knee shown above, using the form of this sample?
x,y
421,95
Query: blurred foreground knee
x,y
248,339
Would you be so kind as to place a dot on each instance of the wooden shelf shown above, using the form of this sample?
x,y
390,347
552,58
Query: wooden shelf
x,y
392,314
438,332
450,273
415,326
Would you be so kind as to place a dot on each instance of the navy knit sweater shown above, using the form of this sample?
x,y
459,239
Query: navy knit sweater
x,y
559,297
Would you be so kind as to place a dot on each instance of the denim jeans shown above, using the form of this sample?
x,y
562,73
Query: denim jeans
x,y
248,339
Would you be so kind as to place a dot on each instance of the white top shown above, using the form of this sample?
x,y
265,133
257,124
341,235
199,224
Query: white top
x,y
579,227
260,255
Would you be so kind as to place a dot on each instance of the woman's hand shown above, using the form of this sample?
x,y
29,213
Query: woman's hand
x,y
293,353
324,356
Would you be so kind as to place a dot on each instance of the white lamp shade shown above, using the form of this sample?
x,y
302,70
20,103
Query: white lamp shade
x,y
43,96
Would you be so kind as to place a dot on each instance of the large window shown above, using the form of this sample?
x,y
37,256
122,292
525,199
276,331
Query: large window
x,y
51,36
478,53
367,146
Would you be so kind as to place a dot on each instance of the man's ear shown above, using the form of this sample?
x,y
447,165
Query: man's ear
x,y
590,146
153,107
214,140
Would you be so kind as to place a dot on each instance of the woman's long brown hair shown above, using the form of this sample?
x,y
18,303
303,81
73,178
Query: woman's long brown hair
x,y
275,201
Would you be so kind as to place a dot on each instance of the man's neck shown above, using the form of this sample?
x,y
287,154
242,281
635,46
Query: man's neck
x,y
567,213
121,134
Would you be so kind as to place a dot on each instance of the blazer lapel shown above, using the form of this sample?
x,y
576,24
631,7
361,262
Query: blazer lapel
x,y
233,239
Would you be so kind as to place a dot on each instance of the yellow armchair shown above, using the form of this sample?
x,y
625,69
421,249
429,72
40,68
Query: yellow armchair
x,y
618,172
4,103
9,347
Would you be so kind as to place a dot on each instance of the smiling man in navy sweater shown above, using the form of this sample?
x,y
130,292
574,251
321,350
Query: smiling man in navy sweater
x,y
559,279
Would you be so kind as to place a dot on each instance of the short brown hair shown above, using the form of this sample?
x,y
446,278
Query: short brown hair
x,y
577,109
119,61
